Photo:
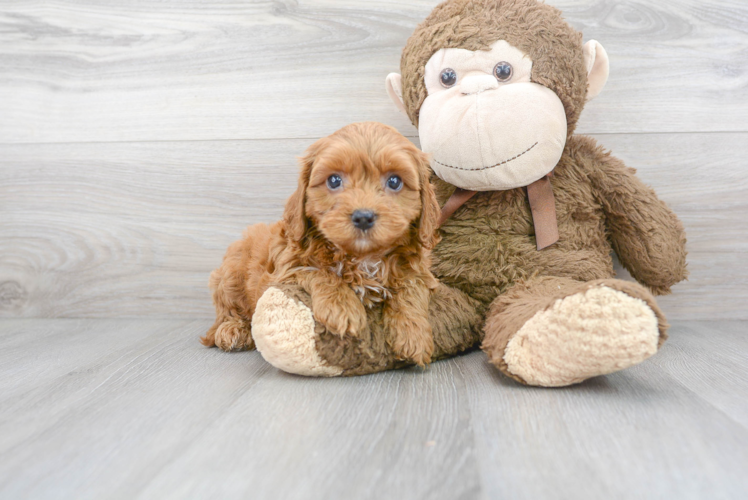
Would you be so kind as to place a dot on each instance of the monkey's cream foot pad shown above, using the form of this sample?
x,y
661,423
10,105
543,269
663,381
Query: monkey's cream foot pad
x,y
590,333
283,330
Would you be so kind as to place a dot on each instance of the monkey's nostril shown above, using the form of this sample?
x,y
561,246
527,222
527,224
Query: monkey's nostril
x,y
363,219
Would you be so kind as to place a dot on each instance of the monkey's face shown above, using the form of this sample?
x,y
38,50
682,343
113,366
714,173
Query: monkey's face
x,y
486,125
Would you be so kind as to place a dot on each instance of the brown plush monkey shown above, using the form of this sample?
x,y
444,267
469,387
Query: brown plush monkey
x,y
495,88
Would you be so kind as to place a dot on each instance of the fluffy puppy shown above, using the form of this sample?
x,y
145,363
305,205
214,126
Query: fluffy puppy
x,y
357,232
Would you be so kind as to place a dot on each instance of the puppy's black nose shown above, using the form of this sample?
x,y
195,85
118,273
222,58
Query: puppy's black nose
x,y
363,219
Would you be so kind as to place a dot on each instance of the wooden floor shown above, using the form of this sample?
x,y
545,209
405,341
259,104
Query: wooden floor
x,y
138,139
139,409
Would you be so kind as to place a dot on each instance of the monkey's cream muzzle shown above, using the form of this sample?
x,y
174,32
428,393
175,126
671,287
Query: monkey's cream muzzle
x,y
485,134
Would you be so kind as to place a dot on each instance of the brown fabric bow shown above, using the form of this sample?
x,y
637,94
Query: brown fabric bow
x,y
542,205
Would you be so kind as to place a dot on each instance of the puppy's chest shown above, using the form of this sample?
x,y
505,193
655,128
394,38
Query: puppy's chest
x,y
367,278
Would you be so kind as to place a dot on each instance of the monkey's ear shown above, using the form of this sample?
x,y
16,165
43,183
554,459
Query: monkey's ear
x,y
598,66
395,90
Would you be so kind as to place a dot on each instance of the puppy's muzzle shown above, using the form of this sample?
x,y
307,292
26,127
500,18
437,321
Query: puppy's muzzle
x,y
363,219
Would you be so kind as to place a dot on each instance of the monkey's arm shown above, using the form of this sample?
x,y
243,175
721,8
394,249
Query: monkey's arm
x,y
647,236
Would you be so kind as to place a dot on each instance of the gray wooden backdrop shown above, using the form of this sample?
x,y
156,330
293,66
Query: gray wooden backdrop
x,y
138,138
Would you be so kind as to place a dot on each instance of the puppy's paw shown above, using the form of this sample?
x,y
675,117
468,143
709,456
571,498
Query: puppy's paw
x,y
411,338
345,316
232,334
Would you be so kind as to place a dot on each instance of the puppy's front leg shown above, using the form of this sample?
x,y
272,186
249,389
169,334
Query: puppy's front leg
x,y
334,303
407,324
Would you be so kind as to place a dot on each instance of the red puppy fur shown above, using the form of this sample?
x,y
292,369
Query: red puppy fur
x,y
358,231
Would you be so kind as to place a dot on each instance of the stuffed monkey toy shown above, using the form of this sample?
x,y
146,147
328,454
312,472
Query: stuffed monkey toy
x,y
531,211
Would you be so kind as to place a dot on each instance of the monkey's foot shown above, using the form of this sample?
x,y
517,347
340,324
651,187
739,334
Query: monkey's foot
x,y
284,333
585,331
590,333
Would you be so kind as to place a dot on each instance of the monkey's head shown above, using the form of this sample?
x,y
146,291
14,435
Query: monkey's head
x,y
495,88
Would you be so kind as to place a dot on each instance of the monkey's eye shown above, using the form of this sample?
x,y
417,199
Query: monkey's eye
x,y
334,182
448,78
394,183
503,71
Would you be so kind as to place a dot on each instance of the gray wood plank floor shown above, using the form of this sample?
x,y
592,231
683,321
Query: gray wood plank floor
x,y
138,409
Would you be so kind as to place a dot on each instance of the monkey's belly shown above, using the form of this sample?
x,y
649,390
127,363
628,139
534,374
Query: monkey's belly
x,y
483,264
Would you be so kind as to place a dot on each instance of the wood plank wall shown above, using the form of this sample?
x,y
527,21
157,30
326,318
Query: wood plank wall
x,y
137,139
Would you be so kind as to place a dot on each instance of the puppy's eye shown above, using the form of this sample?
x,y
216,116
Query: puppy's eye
x,y
503,71
448,78
334,182
394,183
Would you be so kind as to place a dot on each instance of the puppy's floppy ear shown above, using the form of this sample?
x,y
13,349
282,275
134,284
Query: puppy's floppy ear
x,y
428,223
294,215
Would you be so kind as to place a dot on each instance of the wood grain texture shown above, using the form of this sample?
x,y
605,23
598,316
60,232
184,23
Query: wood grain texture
x,y
249,181
619,436
134,229
717,374
139,409
138,139
81,71
108,421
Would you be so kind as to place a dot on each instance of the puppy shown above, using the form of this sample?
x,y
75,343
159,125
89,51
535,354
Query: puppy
x,y
357,232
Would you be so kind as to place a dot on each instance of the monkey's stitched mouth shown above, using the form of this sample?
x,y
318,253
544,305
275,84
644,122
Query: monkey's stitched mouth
x,y
492,166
